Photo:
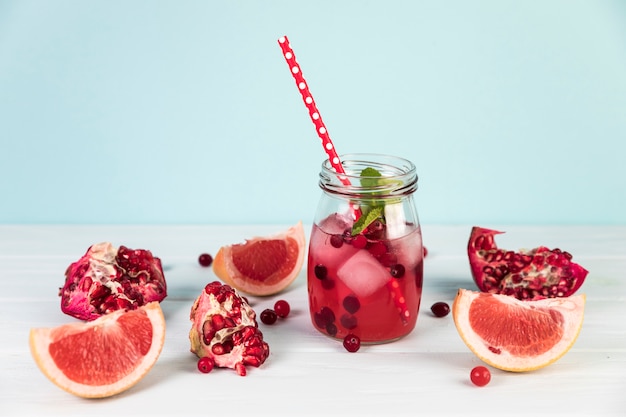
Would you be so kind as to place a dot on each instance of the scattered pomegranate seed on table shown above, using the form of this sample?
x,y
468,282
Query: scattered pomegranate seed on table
x,y
282,308
268,316
205,259
351,342
205,364
480,376
440,309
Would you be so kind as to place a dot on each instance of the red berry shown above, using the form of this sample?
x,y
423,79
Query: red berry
x,y
359,241
440,309
351,304
205,259
205,364
351,342
397,271
480,376
268,316
282,309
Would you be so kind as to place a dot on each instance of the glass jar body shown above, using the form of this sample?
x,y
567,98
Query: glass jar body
x,y
365,260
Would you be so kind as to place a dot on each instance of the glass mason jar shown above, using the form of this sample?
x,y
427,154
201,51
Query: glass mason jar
x,y
365,261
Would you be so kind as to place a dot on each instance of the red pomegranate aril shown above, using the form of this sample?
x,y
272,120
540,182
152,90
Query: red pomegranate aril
x,y
282,308
205,259
480,376
359,241
351,342
440,309
351,304
331,329
268,316
321,272
336,241
348,321
206,364
397,271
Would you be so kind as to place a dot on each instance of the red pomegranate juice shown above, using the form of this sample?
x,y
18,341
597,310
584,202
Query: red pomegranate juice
x,y
369,284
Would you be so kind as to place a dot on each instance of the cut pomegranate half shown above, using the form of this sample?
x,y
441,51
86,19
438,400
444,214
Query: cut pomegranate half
x,y
527,274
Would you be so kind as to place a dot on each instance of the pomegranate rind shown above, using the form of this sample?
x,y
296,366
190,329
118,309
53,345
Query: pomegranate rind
x,y
40,340
536,279
295,243
515,335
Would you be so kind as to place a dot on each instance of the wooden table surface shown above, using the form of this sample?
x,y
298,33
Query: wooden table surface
x,y
426,373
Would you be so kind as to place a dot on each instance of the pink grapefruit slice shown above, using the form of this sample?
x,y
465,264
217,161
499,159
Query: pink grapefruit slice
x,y
103,357
262,265
515,335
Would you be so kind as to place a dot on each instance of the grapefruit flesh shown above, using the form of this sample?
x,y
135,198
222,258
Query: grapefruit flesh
x,y
264,265
103,357
515,335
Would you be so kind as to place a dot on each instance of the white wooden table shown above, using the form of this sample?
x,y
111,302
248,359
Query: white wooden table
x,y
426,373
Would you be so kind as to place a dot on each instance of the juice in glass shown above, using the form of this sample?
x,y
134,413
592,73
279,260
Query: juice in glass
x,y
365,262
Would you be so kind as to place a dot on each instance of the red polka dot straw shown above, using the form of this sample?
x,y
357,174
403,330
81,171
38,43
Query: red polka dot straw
x,y
309,102
333,157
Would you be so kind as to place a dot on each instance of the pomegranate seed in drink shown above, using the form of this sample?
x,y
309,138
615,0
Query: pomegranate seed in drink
x,y
351,342
359,241
205,259
282,309
205,364
351,304
480,376
336,241
320,271
268,316
440,309
397,271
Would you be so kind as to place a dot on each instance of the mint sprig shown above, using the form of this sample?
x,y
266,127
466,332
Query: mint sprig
x,y
370,178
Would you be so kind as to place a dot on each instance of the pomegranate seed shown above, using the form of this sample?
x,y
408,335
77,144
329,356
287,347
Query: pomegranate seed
x,y
397,271
359,242
480,376
282,309
348,321
351,304
268,316
331,329
351,342
336,241
205,259
440,309
205,364
320,271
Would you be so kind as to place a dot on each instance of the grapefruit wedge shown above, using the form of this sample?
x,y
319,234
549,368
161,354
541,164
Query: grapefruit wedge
x,y
263,265
103,357
515,335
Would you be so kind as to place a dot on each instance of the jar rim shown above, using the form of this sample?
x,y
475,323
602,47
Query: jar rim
x,y
398,174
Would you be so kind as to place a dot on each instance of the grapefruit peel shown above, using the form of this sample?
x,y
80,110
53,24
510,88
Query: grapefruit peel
x,y
514,335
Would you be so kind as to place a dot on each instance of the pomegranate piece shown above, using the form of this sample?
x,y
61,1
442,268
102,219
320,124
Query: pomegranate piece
x,y
106,279
527,274
224,328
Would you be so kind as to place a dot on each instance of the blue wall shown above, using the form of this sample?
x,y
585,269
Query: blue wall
x,y
185,111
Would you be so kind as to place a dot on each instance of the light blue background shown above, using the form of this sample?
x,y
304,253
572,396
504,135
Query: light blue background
x,y
182,112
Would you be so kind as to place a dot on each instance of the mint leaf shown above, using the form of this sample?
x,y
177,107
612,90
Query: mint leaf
x,y
366,219
366,177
